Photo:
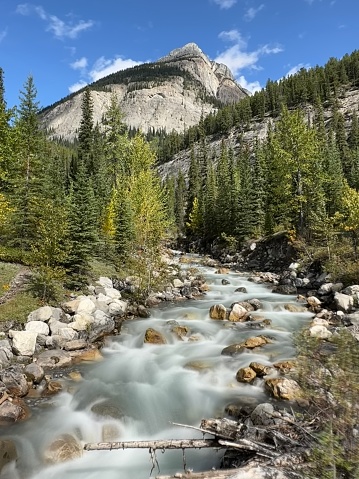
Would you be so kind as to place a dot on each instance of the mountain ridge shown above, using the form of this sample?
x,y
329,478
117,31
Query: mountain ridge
x,y
169,94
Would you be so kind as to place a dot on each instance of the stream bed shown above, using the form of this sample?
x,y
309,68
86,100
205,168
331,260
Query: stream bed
x,y
139,390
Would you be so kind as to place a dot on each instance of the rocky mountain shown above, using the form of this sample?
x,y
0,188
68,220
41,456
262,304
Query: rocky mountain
x,y
170,94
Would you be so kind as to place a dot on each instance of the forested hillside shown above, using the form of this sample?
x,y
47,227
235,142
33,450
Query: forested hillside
x,y
63,206
301,178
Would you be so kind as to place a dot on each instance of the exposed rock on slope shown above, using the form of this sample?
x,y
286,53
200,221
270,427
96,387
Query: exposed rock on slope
x,y
171,93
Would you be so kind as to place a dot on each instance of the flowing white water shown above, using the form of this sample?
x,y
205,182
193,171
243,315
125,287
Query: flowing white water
x,y
154,385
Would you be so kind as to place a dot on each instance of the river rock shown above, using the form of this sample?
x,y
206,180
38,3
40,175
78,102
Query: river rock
x,y
54,359
181,331
65,448
218,311
154,337
117,307
285,289
23,342
319,331
52,387
81,321
255,342
343,302
240,289
285,366
69,334
34,372
112,293
8,452
260,369
102,325
284,388
55,325
238,313
90,355
225,282
107,408
314,303
245,375
105,282
13,411
295,308
6,353
263,415
15,381
39,327
75,344
41,314
233,349
81,303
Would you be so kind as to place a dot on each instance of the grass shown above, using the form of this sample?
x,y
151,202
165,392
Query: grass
x,y
7,272
19,307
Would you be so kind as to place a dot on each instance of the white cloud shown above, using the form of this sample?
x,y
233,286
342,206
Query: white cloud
x,y
3,34
77,86
58,27
225,3
252,12
237,57
296,69
250,86
233,36
103,67
79,64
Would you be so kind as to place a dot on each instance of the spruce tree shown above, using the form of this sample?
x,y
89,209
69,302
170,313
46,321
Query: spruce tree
x,y
180,202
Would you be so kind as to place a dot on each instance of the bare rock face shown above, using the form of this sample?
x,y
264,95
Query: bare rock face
x,y
171,102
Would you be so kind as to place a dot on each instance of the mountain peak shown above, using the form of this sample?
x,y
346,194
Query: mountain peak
x,y
188,50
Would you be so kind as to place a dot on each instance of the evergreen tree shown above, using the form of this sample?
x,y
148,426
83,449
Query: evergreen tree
x,y
83,235
27,174
86,132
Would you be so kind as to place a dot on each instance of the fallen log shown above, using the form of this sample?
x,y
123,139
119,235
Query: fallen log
x,y
221,474
156,444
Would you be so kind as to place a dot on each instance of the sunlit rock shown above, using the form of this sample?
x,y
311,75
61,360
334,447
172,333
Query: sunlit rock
x,y
154,337
23,342
218,311
260,369
284,388
246,375
255,342
285,366
65,448
238,313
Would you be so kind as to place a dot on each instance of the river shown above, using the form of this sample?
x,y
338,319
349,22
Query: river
x,y
149,387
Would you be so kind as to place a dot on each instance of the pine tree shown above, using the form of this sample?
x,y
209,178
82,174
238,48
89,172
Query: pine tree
x,y
27,174
86,133
82,225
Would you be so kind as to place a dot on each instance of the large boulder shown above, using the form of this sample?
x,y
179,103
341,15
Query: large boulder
x,y
39,327
81,303
34,372
238,313
245,375
41,314
344,302
23,342
6,353
13,411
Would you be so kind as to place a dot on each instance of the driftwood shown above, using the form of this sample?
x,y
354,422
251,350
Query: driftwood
x,y
156,444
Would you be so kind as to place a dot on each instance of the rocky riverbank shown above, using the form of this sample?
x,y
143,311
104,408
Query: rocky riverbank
x,y
35,356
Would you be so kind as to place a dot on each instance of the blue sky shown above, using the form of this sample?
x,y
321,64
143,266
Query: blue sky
x,y
66,44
